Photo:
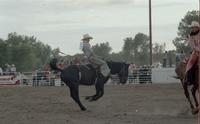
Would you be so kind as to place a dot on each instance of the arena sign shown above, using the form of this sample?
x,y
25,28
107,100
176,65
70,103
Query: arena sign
x,y
9,80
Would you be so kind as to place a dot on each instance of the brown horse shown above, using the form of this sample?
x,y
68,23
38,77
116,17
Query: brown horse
x,y
180,71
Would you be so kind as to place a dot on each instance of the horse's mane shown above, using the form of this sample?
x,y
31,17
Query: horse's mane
x,y
53,63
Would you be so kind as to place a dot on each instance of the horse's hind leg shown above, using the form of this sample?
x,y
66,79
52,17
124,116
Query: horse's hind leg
x,y
188,97
193,90
75,95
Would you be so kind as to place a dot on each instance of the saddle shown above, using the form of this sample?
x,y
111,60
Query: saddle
x,y
89,67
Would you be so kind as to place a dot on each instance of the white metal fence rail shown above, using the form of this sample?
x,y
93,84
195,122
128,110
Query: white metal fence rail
x,y
136,76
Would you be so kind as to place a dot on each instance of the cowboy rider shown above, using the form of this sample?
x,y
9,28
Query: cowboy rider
x,y
92,58
194,42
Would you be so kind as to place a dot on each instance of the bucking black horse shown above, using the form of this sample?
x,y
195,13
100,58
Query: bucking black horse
x,y
74,75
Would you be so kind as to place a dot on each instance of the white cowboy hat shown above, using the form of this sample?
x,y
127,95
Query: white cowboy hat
x,y
86,36
194,24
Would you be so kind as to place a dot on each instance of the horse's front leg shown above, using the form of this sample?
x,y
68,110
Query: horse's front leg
x,y
94,97
99,89
89,98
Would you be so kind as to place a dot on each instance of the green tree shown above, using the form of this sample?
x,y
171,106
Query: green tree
x,y
142,50
19,52
136,50
3,49
158,52
119,57
183,31
25,52
128,52
103,50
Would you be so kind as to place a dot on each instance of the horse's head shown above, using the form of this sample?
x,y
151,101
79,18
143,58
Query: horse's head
x,y
119,68
123,74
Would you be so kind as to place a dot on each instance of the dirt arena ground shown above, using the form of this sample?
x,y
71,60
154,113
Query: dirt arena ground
x,y
129,104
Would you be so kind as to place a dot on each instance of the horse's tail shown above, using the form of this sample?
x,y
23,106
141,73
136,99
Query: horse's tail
x,y
53,64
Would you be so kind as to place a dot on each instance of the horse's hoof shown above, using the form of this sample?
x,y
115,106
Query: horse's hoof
x,y
83,109
195,111
88,97
91,100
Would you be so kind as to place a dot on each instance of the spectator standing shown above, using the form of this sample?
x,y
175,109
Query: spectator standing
x,y
1,71
7,69
13,69
165,59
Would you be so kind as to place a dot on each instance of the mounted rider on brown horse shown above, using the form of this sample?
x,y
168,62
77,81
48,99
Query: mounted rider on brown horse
x,y
188,71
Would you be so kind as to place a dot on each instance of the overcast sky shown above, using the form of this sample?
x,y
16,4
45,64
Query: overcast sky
x,y
61,23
